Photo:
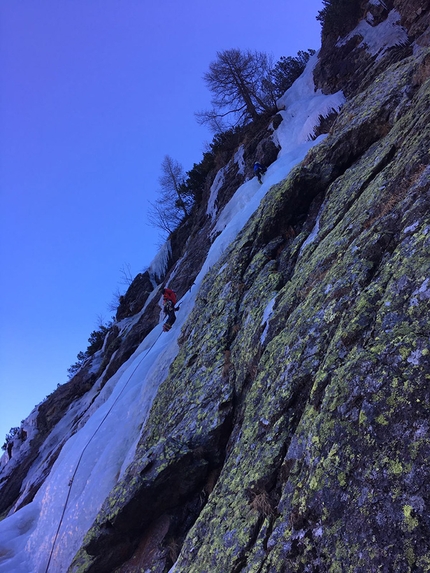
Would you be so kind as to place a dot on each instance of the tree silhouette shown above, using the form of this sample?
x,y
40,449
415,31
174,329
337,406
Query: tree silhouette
x,y
175,199
286,71
236,80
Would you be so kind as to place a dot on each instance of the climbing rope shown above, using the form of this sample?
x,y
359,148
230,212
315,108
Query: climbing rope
x,y
86,446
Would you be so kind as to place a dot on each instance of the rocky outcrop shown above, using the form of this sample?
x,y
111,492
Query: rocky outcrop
x,y
352,57
134,299
292,431
26,447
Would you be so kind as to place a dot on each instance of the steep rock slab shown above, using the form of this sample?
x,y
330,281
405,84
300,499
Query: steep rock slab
x,y
341,387
292,432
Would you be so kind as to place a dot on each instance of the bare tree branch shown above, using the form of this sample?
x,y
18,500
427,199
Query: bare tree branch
x,y
126,274
175,199
236,80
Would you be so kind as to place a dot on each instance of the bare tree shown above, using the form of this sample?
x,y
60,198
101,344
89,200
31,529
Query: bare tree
x,y
115,302
236,80
174,201
126,274
163,217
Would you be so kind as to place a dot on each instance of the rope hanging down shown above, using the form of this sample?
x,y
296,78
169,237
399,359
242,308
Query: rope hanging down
x,y
86,446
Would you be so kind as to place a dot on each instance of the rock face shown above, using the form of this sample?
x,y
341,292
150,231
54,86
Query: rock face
x,y
300,442
292,433
298,439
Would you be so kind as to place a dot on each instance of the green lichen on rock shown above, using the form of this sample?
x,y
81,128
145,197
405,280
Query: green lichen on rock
x,y
324,431
292,431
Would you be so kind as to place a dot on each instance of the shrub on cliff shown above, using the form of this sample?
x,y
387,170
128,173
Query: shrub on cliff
x,y
9,437
286,71
338,17
95,340
246,85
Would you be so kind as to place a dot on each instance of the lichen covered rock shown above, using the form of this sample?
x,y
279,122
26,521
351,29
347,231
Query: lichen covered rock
x,y
292,433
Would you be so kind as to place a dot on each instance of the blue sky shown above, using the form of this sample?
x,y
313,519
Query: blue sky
x,y
93,95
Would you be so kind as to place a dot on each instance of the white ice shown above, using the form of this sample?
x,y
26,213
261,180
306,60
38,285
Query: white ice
x,y
378,39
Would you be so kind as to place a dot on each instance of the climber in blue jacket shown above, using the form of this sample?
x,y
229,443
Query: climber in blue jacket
x,y
259,170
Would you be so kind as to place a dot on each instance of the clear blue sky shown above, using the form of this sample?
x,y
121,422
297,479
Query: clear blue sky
x,y
94,93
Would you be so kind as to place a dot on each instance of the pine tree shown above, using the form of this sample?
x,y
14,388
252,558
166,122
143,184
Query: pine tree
x,y
236,80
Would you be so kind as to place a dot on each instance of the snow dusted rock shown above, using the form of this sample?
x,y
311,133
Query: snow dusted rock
x,y
379,36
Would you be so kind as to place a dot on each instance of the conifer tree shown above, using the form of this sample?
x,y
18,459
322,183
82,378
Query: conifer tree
x,y
287,70
235,79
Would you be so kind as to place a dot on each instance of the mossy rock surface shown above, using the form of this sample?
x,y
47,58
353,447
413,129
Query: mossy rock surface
x,y
294,423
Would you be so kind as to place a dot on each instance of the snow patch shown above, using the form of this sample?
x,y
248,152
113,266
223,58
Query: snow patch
x,y
97,359
378,39
303,108
238,158
421,294
157,269
414,357
20,443
268,311
215,187
411,228
313,234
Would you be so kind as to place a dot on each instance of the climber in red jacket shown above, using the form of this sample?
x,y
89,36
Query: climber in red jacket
x,y
169,301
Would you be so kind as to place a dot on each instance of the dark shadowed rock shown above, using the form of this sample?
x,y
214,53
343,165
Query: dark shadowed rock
x,y
133,300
